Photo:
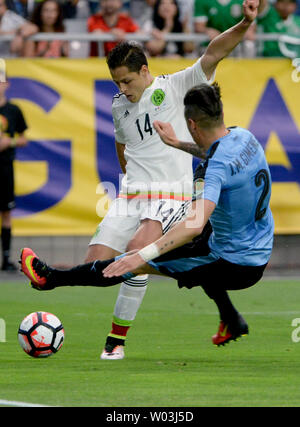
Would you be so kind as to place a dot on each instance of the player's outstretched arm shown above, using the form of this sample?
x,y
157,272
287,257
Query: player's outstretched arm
x,y
223,45
177,236
168,136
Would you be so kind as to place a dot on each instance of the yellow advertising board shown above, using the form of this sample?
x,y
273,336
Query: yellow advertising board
x,y
67,106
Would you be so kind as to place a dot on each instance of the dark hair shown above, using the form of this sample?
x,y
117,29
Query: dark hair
x,y
37,16
203,104
159,23
9,4
127,54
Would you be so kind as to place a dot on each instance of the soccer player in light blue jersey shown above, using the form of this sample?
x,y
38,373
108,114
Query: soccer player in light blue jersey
x,y
235,201
236,196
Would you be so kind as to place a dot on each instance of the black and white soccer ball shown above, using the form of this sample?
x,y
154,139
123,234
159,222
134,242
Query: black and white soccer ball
x,y
41,334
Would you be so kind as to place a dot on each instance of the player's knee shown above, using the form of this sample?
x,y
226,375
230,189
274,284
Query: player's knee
x,y
99,252
135,243
91,256
148,232
88,259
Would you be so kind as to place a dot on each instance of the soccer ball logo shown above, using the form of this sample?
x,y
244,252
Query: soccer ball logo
x,y
41,334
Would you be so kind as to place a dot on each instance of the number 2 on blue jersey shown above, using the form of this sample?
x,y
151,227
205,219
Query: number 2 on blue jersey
x,y
262,177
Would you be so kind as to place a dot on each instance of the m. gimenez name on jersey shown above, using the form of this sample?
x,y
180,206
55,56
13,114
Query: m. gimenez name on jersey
x,y
151,165
238,180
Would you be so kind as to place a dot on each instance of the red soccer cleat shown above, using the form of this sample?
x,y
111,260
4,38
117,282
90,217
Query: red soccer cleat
x,y
228,332
34,269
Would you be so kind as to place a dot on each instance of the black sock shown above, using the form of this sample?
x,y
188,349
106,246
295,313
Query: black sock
x,y
112,342
228,312
84,275
5,243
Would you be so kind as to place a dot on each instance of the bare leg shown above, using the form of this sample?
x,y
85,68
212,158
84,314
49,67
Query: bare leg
x,y
100,252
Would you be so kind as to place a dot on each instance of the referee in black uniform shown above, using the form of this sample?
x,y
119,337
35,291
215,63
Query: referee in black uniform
x,y
12,128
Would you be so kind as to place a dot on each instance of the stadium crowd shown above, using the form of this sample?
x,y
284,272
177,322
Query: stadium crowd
x,y
23,18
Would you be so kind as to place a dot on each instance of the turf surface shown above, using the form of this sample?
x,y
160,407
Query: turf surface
x,y
170,360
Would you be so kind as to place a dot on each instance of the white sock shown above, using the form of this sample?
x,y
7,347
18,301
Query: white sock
x,y
130,297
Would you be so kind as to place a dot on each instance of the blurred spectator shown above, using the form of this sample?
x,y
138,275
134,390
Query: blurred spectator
x,y
186,8
141,11
48,17
16,25
213,17
110,19
21,7
93,6
25,8
69,8
166,19
279,18
297,9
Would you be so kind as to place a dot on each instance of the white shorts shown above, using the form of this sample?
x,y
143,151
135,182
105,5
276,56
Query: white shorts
x,y
124,217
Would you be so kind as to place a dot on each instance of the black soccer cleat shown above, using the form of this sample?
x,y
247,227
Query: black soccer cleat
x,y
230,331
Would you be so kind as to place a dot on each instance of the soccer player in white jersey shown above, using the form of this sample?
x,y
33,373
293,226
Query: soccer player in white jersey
x,y
158,179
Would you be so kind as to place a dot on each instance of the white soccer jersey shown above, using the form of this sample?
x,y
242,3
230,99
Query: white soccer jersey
x,y
151,165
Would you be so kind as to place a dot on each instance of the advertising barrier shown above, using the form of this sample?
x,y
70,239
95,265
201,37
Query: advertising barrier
x,y
63,174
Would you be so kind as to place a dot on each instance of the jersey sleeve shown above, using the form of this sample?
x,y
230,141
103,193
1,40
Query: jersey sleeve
x,y
200,11
90,24
12,21
192,76
118,131
214,182
132,26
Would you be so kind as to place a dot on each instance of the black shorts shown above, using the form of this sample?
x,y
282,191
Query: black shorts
x,y
7,195
221,274
191,266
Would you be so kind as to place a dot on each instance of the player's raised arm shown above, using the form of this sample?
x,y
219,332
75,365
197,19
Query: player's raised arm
x,y
222,45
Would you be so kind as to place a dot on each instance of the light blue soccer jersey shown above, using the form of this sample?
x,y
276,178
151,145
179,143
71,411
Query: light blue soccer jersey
x,y
237,179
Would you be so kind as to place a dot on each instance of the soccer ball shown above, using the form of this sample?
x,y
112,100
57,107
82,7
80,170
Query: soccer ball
x,y
41,334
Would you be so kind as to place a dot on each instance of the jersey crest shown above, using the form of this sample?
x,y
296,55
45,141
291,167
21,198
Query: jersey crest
x,y
158,97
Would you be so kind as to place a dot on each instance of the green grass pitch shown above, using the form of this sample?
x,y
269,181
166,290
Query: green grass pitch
x,y
170,360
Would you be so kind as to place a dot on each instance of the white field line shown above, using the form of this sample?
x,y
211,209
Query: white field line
x,y
259,313
21,404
